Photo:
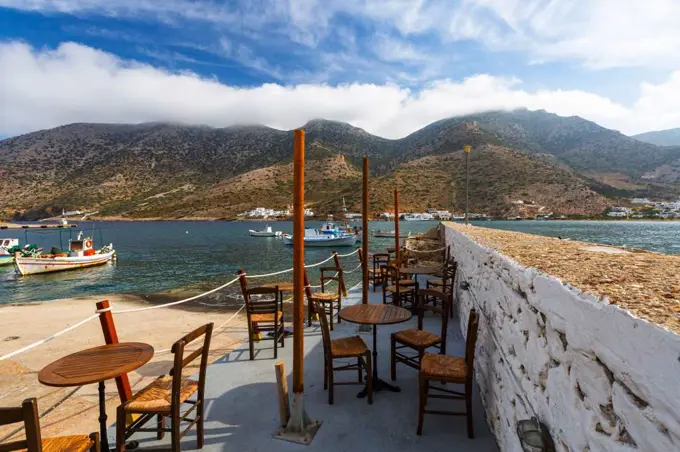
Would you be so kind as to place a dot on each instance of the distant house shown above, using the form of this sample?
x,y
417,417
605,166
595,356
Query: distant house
x,y
617,214
386,216
640,201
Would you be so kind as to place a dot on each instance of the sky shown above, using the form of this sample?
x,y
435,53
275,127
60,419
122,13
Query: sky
x,y
387,66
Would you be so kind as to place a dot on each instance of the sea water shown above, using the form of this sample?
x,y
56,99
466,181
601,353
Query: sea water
x,y
162,256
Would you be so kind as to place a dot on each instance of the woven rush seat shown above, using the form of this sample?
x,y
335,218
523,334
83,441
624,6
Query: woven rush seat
x,y
74,443
265,317
407,282
348,347
158,395
416,337
401,289
325,296
435,365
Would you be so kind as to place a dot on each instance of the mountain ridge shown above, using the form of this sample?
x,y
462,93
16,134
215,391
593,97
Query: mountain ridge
x,y
117,168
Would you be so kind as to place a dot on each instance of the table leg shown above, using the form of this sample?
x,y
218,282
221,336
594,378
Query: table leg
x,y
103,437
378,384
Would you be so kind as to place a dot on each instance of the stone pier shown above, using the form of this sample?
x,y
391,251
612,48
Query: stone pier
x,y
584,337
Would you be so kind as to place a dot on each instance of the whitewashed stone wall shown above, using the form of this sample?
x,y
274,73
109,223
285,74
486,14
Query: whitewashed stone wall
x,y
598,377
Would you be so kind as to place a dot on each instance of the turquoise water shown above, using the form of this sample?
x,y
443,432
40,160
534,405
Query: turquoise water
x,y
161,256
157,257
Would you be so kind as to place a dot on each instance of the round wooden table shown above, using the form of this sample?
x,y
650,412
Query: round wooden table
x,y
96,365
375,314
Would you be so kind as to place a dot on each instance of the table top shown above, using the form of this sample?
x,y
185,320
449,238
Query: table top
x,y
375,314
283,286
96,364
419,270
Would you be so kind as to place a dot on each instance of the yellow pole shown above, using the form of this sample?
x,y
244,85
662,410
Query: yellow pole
x,y
364,227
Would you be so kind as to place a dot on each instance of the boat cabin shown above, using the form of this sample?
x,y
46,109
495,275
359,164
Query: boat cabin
x,y
9,243
81,246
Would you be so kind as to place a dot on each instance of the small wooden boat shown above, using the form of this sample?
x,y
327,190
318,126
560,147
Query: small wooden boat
x,y
385,233
81,254
314,238
6,257
266,232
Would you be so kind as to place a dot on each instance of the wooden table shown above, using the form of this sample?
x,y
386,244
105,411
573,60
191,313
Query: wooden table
x,y
96,365
415,271
375,314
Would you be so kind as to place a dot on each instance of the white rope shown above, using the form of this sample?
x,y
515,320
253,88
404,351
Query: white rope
x,y
148,308
349,254
425,251
318,263
354,269
49,338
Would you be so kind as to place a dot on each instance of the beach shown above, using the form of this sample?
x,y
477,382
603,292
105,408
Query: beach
x,y
23,324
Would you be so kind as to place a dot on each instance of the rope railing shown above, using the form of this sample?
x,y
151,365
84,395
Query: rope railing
x,y
424,251
165,305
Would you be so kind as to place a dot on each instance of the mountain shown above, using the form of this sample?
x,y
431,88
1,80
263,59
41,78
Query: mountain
x,y
567,165
669,137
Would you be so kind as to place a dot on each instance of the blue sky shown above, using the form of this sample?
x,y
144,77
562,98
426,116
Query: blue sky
x,y
390,66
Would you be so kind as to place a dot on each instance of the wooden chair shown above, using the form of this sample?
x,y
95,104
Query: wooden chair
x,y
417,338
329,300
446,283
164,397
397,291
264,315
27,413
344,348
376,274
450,369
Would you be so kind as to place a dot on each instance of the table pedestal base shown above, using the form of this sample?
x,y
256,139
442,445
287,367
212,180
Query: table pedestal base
x,y
379,385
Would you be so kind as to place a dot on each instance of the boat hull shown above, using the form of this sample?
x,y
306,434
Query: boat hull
x,y
323,241
34,266
6,259
262,234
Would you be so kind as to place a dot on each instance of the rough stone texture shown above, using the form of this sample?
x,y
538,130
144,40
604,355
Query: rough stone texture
x,y
601,378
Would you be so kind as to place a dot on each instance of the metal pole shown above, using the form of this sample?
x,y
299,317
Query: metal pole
x,y
396,225
364,227
467,148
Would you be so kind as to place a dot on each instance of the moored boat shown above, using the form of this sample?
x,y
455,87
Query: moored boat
x,y
266,232
6,257
81,254
328,235
385,233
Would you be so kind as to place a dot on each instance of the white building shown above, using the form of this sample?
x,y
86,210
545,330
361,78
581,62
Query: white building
x,y
617,214
640,201
386,216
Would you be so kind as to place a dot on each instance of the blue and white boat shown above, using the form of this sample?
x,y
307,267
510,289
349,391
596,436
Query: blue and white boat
x,y
328,235
6,256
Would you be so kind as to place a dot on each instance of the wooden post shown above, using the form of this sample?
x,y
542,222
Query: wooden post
x,y
111,337
364,232
396,225
282,389
298,259
300,429
336,259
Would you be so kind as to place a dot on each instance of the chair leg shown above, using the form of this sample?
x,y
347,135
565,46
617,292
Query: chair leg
x,y
330,317
359,369
422,400
160,423
339,309
369,377
468,413
96,443
174,430
277,333
393,358
200,427
325,375
120,429
250,341
330,384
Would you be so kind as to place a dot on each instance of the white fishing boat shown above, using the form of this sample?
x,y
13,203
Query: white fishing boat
x,y
417,217
266,232
328,235
6,257
81,254
385,233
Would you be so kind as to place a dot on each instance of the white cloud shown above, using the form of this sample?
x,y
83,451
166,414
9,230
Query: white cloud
x,y
74,83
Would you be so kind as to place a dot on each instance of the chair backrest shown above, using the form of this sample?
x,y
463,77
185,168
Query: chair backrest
x,y
391,274
471,342
28,414
182,361
449,275
422,308
380,260
329,274
268,303
325,329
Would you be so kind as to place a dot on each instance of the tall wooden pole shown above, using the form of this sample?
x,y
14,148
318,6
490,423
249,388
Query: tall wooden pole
x,y
396,225
298,259
300,428
364,231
